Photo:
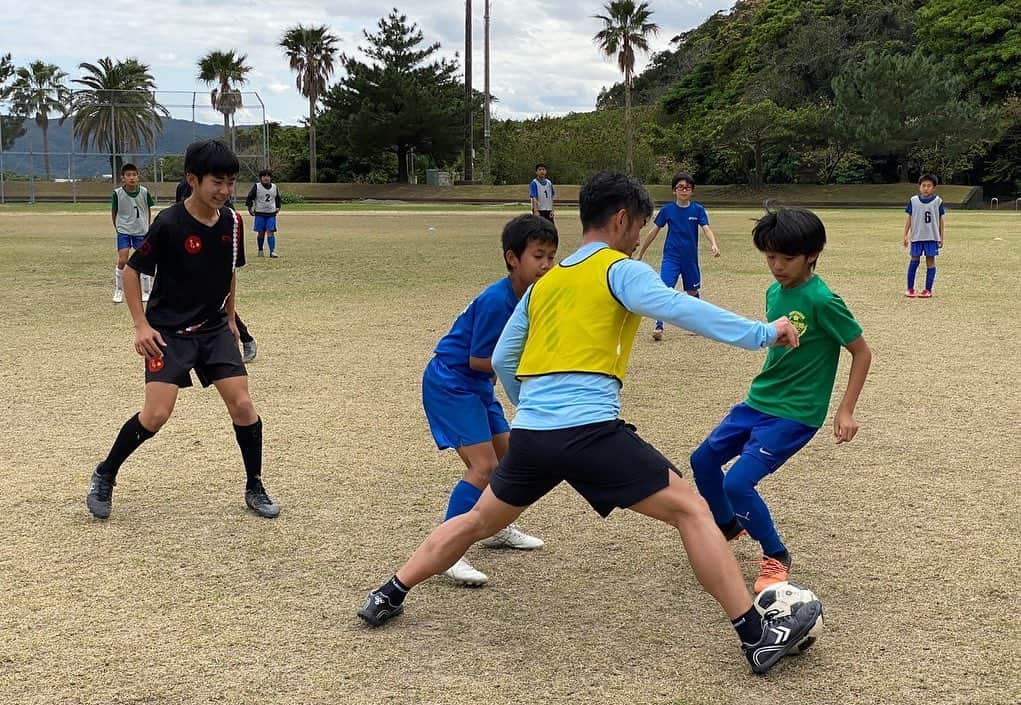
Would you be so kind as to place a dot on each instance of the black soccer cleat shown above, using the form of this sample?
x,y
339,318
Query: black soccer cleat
x,y
99,500
378,609
781,635
259,502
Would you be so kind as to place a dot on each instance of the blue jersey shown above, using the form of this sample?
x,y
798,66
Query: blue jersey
x,y
476,330
682,235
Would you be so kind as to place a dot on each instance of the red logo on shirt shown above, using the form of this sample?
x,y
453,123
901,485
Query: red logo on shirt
x,y
155,364
225,239
145,249
193,244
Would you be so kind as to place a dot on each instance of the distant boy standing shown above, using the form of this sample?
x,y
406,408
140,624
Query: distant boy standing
x,y
129,209
542,192
263,202
684,219
924,231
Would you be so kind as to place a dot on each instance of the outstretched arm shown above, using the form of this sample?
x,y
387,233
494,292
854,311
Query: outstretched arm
x,y
648,241
845,427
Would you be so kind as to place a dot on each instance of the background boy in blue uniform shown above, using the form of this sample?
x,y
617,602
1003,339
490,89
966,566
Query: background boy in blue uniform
x,y
562,357
130,206
263,202
683,218
788,400
924,232
458,384
193,249
541,193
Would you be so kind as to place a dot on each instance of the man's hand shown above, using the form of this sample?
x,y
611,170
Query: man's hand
x,y
786,333
845,428
148,341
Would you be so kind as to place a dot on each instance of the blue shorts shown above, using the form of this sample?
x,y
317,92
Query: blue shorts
x,y
769,439
686,269
264,223
461,410
129,242
929,248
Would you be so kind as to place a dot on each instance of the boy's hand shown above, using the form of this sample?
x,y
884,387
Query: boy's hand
x,y
716,250
148,341
786,333
845,428
233,326
905,241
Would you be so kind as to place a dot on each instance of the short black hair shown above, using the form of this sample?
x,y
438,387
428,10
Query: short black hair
x,y
928,177
540,165
210,157
607,192
790,231
128,166
520,231
266,172
682,176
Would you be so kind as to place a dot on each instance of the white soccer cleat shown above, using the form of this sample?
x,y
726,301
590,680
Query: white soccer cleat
x,y
118,296
462,572
513,537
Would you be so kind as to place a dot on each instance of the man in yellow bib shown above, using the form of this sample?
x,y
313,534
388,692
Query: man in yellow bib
x,y
562,359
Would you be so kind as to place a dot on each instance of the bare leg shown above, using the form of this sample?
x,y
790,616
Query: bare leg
x,y
715,567
234,392
160,398
480,460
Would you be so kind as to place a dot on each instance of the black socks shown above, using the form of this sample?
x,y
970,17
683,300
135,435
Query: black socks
x,y
250,442
394,590
132,435
749,626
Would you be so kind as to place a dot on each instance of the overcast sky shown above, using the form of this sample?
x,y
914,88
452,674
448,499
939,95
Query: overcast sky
x,y
543,57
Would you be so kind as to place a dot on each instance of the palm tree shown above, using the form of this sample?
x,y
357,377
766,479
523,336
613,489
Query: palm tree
x,y
224,71
37,91
117,112
311,52
627,28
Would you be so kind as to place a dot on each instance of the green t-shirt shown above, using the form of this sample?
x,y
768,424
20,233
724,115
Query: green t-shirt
x,y
797,383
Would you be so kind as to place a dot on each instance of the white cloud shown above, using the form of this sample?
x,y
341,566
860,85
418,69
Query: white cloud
x,y
543,60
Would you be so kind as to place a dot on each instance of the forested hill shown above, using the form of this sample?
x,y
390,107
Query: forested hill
x,y
908,84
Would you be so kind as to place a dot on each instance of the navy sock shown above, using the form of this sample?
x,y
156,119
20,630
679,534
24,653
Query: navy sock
x,y
132,435
731,529
912,270
462,498
394,590
272,242
259,239
250,441
748,626
930,277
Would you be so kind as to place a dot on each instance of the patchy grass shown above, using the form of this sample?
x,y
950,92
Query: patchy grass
x,y
908,534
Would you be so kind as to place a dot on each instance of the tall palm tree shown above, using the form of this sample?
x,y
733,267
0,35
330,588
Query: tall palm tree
x,y
311,52
39,90
225,71
626,28
117,112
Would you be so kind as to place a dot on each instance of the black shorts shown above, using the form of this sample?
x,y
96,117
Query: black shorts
x,y
213,354
548,215
608,463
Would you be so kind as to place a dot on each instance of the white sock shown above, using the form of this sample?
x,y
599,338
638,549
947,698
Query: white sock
x,y
118,278
146,284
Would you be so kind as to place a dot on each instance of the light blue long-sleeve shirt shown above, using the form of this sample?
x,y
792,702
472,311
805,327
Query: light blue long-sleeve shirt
x,y
567,399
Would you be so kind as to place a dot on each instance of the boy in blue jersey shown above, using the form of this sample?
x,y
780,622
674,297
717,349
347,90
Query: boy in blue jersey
x,y
458,390
684,219
541,193
562,358
788,400
923,231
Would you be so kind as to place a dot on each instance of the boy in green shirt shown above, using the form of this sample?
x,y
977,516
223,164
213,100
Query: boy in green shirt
x,y
788,400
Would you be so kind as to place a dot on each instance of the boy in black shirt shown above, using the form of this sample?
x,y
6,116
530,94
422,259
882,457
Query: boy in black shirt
x,y
193,248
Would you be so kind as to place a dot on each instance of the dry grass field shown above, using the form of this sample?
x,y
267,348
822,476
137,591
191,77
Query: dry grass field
x,y
908,534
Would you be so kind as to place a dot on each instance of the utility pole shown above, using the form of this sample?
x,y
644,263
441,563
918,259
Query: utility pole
x,y
486,113
469,143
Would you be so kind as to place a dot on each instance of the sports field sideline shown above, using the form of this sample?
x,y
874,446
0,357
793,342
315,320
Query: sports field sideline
x,y
906,534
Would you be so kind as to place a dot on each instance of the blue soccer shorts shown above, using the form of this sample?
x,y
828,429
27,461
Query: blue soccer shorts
x,y
769,439
684,269
927,248
129,242
264,223
461,410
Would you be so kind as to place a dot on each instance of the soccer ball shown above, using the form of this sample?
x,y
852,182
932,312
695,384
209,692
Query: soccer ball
x,y
782,599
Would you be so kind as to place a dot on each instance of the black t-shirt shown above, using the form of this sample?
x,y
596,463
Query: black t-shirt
x,y
195,262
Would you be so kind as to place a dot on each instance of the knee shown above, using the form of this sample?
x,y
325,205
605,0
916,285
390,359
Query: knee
x,y
703,459
122,260
242,411
736,484
479,473
154,419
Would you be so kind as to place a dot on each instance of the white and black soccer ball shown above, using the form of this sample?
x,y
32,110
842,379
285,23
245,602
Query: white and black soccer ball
x,y
783,599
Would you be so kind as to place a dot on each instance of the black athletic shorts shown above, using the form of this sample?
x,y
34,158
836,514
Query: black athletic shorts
x,y
548,215
608,463
213,354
